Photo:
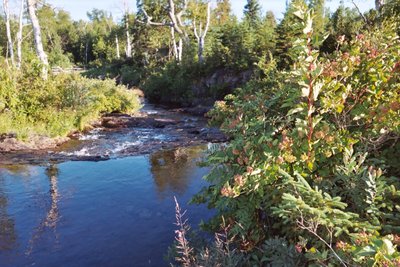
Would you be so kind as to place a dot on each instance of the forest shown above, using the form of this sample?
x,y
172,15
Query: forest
x,y
309,103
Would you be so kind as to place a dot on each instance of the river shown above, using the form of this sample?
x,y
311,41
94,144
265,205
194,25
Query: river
x,y
117,211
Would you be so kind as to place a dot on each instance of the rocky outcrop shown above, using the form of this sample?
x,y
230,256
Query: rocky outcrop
x,y
174,128
9,143
126,121
217,85
190,128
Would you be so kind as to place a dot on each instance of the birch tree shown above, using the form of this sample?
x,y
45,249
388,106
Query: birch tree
x,y
19,35
176,23
10,47
128,49
38,37
201,33
117,46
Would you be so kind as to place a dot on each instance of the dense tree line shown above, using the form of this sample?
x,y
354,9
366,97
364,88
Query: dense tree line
x,y
197,37
146,35
154,36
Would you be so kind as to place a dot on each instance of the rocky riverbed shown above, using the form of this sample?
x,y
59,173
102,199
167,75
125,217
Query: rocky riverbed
x,y
116,135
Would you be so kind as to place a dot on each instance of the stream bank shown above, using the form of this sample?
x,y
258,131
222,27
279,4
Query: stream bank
x,y
152,129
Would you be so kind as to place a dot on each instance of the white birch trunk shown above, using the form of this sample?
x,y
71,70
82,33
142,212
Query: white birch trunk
x,y
117,46
201,50
10,47
86,51
176,26
180,50
19,36
175,48
38,37
128,49
128,42
201,34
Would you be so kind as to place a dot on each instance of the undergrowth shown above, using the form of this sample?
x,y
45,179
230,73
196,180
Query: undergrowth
x,y
57,106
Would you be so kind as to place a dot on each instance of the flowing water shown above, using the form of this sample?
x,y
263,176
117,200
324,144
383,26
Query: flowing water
x,y
116,212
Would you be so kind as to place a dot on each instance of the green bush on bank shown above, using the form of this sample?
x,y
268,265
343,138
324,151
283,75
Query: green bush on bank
x,y
56,106
309,158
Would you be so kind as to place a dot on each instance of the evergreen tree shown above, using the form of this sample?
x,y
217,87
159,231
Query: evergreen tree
x,y
287,32
270,19
252,12
319,21
266,35
222,13
391,9
344,22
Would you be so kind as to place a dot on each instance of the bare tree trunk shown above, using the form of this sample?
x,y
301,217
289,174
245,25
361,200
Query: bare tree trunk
x,y
180,50
174,43
38,37
201,35
128,42
201,50
176,21
176,25
10,47
117,45
128,49
19,36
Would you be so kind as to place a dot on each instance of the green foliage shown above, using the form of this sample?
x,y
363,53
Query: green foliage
x,y
288,31
58,35
391,9
277,252
57,106
169,84
345,23
308,161
252,12
222,12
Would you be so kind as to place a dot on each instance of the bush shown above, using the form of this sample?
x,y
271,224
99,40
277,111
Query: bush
x,y
59,105
170,85
308,162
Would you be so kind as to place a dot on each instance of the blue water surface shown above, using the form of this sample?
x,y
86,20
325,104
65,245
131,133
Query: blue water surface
x,y
118,212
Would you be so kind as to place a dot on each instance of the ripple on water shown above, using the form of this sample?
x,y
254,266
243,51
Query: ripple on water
x,y
109,150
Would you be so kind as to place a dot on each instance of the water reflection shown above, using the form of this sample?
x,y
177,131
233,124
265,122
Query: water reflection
x,y
52,216
7,225
108,213
171,169
17,170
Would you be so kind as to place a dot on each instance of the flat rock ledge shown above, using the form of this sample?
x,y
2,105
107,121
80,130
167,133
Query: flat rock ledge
x,y
190,130
10,144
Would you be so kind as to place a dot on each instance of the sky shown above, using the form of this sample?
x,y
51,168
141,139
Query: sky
x,y
78,8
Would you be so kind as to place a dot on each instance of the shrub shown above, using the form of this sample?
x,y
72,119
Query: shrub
x,y
170,85
59,105
307,161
